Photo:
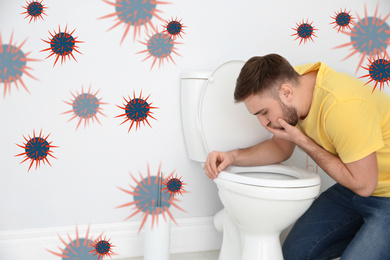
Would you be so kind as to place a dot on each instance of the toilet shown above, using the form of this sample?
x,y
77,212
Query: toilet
x,y
259,202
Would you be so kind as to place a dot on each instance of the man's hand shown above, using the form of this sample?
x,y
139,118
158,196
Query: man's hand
x,y
289,132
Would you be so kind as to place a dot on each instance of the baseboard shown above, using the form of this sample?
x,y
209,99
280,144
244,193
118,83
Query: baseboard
x,y
190,235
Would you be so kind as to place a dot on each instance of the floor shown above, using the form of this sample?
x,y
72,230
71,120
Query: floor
x,y
207,255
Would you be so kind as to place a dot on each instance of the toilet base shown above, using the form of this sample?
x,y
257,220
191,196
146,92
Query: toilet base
x,y
261,247
237,244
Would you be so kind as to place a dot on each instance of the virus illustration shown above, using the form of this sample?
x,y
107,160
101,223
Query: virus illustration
x,y
137,110
173,28
343,20
36,149
35,10
378,71
173,185
370,37
86,106
13,64
62,44
134,13
305,31
102,248
149,199
76,249
159,47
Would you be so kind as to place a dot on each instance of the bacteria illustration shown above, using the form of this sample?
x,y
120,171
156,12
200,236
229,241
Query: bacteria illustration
x,y
370,36
173,28
78,248
137,110
62,44
148,198
37,149
134,13
173,185
85,107
159,47
13,64
304,31
378,71
102,248
342,20
34,10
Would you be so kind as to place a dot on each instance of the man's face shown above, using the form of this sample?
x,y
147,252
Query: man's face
x,y
268,110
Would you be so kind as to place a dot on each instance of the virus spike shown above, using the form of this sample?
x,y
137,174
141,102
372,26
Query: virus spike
x,y
379,71
62,44
36,149
137,110
150,200
13,65
369,36
85,106
102,247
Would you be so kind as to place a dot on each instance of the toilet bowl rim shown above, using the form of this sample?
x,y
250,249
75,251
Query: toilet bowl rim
x,y
304,177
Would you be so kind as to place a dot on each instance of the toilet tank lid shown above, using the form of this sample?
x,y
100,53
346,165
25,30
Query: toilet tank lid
x,y
195,74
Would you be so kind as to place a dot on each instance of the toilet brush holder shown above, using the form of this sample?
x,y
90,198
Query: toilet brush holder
x,y
157,238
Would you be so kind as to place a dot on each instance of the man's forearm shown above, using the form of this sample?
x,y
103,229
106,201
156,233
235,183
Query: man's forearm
x,y
330,163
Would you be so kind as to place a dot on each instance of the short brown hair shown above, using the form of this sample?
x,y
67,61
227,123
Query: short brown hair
x,y
261,74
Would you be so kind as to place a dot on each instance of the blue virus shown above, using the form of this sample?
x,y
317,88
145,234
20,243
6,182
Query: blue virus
x,y
62,44
76,249
343,20
36,149
159,47
13,63
102,247
369,37
34,9
85,106
173,28
305,31
379,72
173,185
149,199
137,110
134,13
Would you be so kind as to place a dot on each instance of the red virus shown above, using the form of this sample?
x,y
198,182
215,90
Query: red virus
x,y
173,28
85,106
36,149
102,247
159,47
134,13
62,44
173,185
149,199
137,110
378,71
305,31
35,10
343,20
13,64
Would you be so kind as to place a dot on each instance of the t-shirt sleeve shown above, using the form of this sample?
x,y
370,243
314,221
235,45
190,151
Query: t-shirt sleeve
x,y
354,128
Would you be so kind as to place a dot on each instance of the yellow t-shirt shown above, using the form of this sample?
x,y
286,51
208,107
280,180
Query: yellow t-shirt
x,y
348,120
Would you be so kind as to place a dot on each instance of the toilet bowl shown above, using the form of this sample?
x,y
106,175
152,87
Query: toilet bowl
x,y
262,202
259,202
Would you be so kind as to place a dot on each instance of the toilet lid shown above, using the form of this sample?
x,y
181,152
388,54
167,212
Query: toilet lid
x,y
227,125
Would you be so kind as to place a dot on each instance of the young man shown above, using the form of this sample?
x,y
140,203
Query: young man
x,y
345,129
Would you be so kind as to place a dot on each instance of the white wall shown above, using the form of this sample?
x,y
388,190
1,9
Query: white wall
x,y
81,185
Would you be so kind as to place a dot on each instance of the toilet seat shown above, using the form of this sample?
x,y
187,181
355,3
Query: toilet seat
x,y
275,176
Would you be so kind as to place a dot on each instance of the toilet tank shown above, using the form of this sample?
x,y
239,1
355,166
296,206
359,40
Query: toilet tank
x,y
191,90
